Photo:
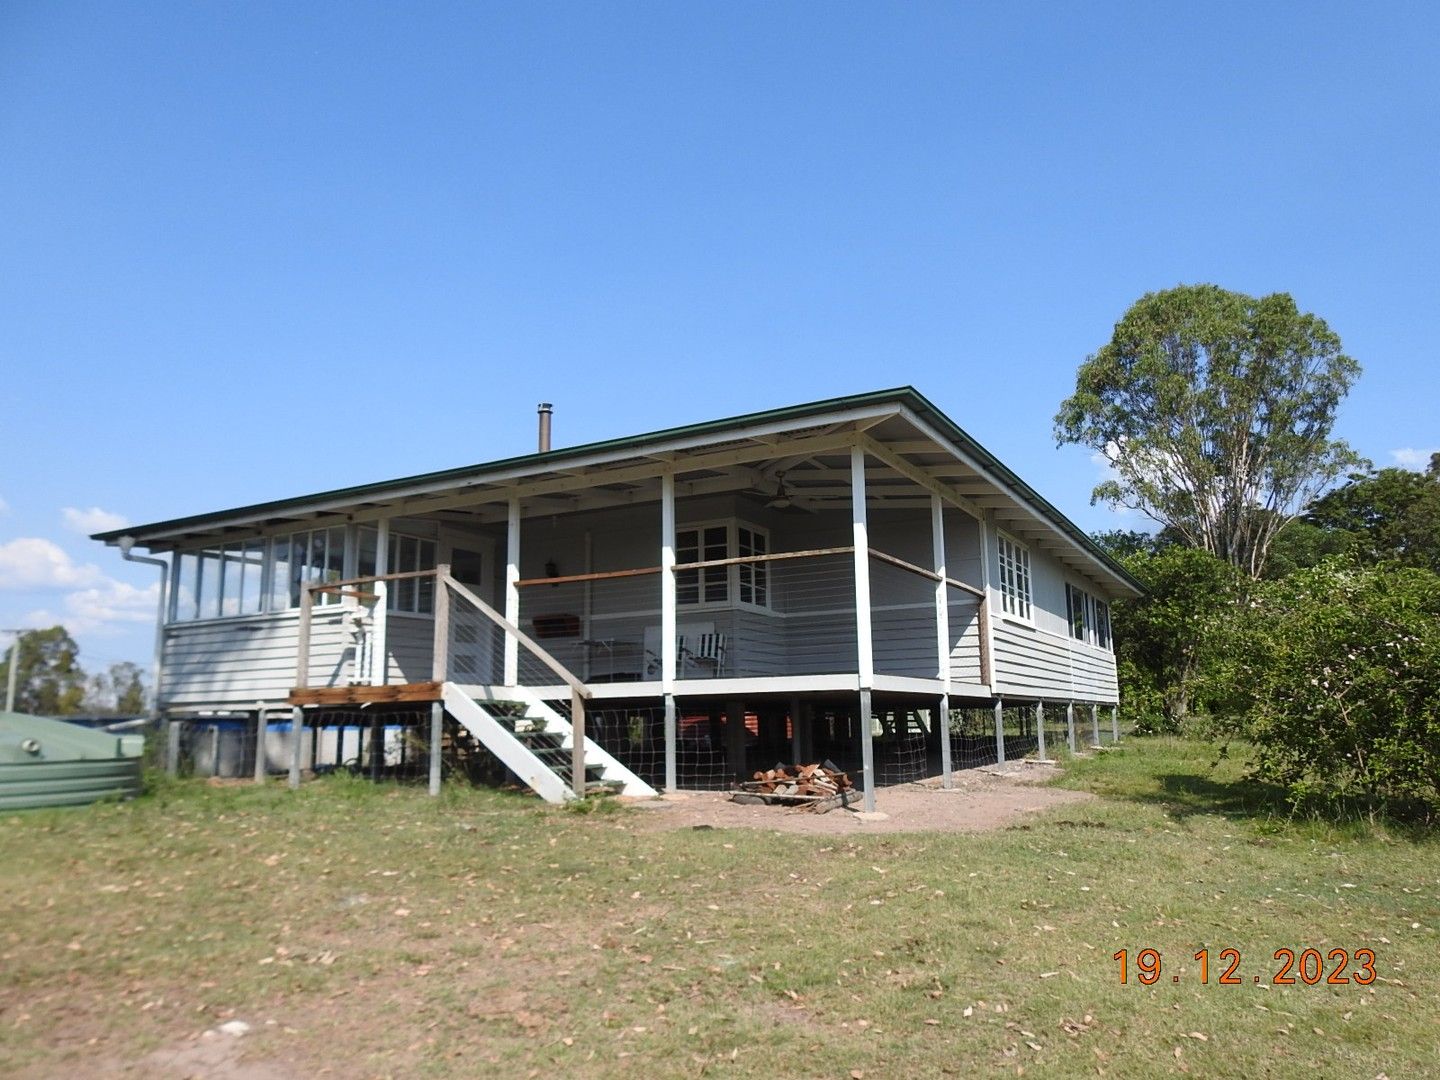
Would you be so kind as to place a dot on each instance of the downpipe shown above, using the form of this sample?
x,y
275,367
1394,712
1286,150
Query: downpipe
x,y
126,545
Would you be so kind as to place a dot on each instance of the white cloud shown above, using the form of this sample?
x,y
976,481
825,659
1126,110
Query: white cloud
x,y
1410,458
107,608
31,562
108,603
93,520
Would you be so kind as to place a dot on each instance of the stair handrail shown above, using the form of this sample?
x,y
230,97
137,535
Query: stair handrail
x,y
579,692
567,676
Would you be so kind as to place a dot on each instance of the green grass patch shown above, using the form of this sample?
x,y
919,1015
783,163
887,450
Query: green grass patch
x,y
374,931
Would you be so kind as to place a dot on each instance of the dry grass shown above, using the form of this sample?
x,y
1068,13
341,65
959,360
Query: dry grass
x,y
373,932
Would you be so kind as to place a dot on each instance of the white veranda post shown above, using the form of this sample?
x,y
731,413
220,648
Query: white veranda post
x,y
864,655
942,635
667,621
512,593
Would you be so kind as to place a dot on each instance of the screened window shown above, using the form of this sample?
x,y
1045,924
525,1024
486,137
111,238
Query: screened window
x,y
1102,624
1014,577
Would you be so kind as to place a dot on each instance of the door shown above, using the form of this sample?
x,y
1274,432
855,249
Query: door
x,y
474,639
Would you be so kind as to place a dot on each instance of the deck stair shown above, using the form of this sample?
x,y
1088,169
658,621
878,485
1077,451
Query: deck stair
x,y
534,742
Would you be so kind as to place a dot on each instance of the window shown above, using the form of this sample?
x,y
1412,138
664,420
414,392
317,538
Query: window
x,y
407,554
305,557
1089,617
748,583
256,575
1077,610
1014,577
754,577
708,585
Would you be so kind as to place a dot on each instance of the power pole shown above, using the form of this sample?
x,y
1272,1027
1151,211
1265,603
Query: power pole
x,y
14,667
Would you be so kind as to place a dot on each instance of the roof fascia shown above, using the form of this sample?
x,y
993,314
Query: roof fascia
x,y
1024,497
507,482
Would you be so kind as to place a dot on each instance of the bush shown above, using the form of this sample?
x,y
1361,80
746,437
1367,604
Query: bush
x,y
1335,678
1169,640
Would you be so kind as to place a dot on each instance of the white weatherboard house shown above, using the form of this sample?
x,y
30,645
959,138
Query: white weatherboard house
x,y
822,581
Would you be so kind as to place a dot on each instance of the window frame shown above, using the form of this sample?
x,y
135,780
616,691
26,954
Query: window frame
x,y
192,567
760,582
1079,613
1097,631
1106,640
1015,570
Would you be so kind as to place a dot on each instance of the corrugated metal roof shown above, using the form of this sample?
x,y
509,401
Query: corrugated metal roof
x,y
522,466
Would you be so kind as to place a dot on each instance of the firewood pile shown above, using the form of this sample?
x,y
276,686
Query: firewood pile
x,y
819,787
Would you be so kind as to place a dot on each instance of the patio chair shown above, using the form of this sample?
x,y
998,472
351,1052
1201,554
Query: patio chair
x,y
709,652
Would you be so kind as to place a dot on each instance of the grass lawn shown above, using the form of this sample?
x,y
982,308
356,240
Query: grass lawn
x,y
374,932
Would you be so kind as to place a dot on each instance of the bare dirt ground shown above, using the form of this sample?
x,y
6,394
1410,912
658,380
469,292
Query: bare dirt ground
x,y
980,800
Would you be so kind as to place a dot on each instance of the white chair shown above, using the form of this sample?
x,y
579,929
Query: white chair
x,y
709,652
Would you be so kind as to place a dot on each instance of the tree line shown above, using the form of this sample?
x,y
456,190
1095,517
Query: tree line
x,y
1293,597
49,680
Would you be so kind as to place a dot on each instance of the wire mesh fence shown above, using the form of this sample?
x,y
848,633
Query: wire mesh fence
x,y
381,744
1018,724
635,736
902,748
221,746
972,737
1057,732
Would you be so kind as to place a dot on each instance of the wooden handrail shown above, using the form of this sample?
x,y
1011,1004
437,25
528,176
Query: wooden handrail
x,y
641,571
578,687
777,557
884,556
599,575
326,586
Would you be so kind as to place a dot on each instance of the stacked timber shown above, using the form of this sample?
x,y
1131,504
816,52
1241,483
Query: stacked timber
x,y
818,787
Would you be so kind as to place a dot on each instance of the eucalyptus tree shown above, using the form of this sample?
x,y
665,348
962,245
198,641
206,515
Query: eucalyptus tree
x,y
1214,410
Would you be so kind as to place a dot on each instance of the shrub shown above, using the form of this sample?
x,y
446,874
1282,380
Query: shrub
x,y
1168,640
1337,671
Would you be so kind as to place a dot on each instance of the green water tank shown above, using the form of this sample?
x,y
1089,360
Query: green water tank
x,y
52,763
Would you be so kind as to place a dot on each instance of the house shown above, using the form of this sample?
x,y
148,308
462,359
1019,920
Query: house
x,y
667,610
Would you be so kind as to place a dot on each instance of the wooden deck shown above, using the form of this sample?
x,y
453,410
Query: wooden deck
x,y
364,695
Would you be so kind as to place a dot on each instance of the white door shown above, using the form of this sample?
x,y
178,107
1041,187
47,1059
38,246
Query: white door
x,y
474,639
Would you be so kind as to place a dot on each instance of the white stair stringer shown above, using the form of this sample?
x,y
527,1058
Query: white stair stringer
x,y
500,742
595,754
460,703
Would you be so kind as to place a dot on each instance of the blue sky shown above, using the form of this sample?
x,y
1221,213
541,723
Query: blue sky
x,y
253,250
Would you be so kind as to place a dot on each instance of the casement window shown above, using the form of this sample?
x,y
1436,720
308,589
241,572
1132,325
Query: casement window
x,y
754,577
415,595
747,583
1077,611
1014,577
1089,617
